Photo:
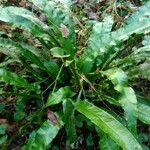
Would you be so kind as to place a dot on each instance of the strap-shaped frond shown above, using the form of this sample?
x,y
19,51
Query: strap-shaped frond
x,y
30,54
109,125
103,44
127,97
23,18
60,20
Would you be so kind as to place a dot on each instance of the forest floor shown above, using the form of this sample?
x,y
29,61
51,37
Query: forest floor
x,y
85,10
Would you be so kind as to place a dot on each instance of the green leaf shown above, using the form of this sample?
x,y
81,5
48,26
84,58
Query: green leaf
x,y
3,139
32,57
118,78
101,32
60,19
20,108
2,107
137,55
109,125
89,141
59,96
55,14
23,18
14,79
84,61
43,136
69,119
49,66
146,40
3,128
7,48
142,69
137,23
128,101
20,49
103,43
144,112
100,37
127,97
30,69
106,143
58,52
52,68
30,54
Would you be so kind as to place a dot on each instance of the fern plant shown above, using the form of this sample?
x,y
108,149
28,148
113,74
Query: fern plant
x,y
64,84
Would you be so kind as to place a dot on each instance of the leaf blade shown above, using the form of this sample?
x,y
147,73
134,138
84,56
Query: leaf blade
x,y
59,96
14,79
109,125
44,136
68,109
127,97
144,113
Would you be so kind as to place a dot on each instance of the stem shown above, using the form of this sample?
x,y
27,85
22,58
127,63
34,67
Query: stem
x,y
54,82
110,60
74,71
79,95
57,77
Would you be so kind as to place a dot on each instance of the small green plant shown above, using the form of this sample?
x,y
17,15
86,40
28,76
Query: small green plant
x,y
67,86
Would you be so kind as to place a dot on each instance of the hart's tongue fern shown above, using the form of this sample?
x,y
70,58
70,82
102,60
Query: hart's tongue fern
x,y
52,74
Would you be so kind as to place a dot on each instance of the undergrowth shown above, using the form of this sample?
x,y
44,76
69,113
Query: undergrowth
x,y
70,78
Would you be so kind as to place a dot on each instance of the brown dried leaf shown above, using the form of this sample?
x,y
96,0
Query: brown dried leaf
x,y
52,117
64,30
3,121
23,3
9,99
92,16
81,1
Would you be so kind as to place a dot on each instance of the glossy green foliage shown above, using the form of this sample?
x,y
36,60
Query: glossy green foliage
x,y
106,143
20,108
3,139
41,138
59,96
51,76
23,18
3,135
127,97
14,79
99,39
103,43
144,112
129,103
2,129
58,52
69,118
117,77
60,20
30,53
138,55
109,125
2,106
